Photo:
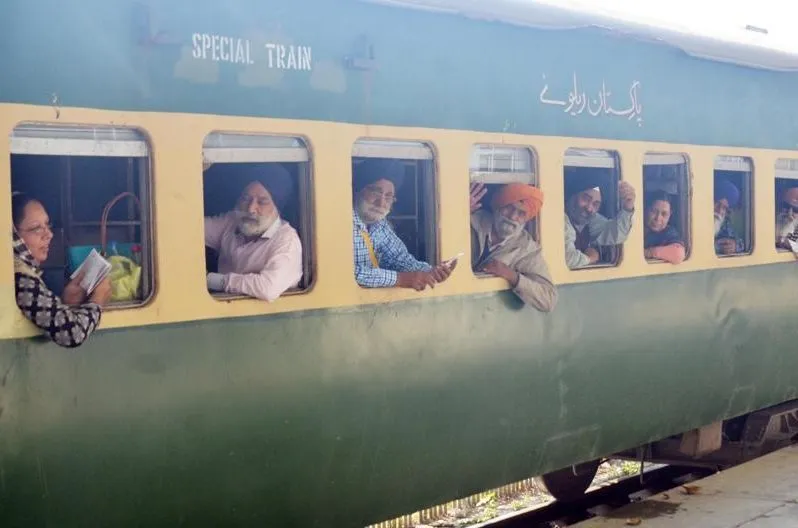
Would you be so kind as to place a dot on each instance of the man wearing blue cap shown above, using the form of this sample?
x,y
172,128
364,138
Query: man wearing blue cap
x,y
727,196
381,258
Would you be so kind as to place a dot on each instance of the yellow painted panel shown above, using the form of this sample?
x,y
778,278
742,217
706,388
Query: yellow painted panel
x,y
177,194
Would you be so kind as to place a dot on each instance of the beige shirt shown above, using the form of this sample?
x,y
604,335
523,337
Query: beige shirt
x,y
523,255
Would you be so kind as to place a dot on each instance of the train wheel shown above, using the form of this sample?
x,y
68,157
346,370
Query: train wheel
x,y
569,483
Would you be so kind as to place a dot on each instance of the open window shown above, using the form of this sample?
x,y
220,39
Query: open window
x,y
666,187
786,203
584,170
413,214
494,166
231,161
733,206
75,172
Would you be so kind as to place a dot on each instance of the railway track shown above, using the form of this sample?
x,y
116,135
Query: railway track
x,y
602,500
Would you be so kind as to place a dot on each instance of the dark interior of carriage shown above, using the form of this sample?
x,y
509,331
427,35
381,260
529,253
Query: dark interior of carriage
x,y
673,179
222,187
606,179
412,216
741,216
74,190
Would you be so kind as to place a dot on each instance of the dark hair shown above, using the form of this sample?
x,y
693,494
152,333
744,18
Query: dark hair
x,y
18,202
658,196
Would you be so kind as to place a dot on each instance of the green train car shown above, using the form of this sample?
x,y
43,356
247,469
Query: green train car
x,y
339,406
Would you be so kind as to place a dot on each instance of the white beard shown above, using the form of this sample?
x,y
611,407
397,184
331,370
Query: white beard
x,y
370,214
505,227
785,226
250,226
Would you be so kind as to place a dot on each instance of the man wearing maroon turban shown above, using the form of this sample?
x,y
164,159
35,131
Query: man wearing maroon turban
x,y
501,246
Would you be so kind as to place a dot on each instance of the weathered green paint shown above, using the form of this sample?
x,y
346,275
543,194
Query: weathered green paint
x,y
433,70
340,418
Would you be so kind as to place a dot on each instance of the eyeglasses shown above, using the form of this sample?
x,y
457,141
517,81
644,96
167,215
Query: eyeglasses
x,y
374,193
40,230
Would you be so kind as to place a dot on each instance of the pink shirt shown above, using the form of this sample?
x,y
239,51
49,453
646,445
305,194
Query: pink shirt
x,y
263,268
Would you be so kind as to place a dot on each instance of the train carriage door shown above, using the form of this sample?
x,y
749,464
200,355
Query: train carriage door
x,y
414,213
75,171
232,160
496,165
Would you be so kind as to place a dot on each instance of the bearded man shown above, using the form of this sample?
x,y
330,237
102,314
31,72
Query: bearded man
x,y
381,258
260,254
501,245
787,218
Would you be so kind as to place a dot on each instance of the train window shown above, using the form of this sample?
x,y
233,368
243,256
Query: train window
x,y
786,203
493,166
411,166
257,186
733,209
596,226
666,195
95,184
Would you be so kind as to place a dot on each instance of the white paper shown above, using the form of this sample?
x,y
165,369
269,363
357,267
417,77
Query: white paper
x,y
96,268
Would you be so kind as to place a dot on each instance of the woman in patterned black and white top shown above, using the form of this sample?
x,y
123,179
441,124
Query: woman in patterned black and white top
x,y
68,321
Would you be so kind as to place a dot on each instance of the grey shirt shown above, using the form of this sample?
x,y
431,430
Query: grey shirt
x,y
603,232
523,255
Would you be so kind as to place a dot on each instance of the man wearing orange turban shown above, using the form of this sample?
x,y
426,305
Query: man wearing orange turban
x,y
501,246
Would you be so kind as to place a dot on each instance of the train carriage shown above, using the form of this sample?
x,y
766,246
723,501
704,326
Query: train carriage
x,y
336,405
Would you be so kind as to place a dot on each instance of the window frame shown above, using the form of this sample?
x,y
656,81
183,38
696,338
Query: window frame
x,y
685,201
230,147
425,155
730,163
611,160
99,141
491,176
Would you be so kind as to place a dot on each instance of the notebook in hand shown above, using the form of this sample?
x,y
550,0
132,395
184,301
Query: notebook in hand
x,y
96,269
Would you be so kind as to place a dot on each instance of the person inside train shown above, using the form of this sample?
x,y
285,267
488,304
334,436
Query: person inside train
x,y
727,196
260,254
586,230
68,320
501,246
787,218
381,258
661,240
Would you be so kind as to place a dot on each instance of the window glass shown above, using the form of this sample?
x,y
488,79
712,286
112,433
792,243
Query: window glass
x,y
733,206
255,259
595,229
786,203
666,198
411,202
76,172
493,166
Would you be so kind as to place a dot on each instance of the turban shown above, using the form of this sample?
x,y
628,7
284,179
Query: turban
x,y
371,170
790,196
726,189
531,198
275,178
577,182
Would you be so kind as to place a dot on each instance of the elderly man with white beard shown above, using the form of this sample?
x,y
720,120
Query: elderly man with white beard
x,y
260,254
381,258
787,218
501,246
